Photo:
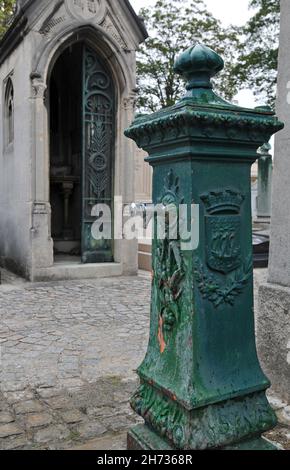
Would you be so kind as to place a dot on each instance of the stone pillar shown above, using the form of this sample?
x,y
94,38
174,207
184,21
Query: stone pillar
x,y
201,382
265,170
126,251
41,240
273,322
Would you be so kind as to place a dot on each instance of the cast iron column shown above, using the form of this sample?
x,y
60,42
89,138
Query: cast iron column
x,y
201,382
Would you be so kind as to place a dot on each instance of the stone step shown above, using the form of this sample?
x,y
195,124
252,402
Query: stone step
x,y
74,271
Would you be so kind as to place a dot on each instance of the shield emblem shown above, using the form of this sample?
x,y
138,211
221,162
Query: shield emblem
x,y
223,242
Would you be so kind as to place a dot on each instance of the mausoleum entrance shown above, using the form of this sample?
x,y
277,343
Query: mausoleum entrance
x,y
82,144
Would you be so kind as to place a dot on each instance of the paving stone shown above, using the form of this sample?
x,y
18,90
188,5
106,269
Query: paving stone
x,y
280,436
276,403
14,443
71,384
101,412
59,403
38,420
72,416
91,430
6,418
31,406
3,405
284,416
52,433
10,429
117,423
48,392
108,442
14,397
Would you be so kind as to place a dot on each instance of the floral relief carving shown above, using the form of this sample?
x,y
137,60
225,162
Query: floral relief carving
x,y
169,268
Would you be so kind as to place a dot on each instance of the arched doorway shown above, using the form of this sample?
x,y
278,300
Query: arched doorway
x,y
82,146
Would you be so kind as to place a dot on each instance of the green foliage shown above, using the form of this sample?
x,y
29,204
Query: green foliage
x,y
7,8
258,62
173,26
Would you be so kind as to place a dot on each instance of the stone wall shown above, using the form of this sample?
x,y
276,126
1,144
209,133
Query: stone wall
x,y
16,164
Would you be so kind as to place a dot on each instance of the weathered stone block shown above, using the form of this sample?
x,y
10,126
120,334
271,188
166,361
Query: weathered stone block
x,y
59,403
30,406
91,430
52,433
273,336
72,416
6,418
11,429
38,420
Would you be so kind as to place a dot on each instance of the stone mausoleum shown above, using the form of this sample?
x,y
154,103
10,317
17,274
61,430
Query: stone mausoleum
x,y
67,72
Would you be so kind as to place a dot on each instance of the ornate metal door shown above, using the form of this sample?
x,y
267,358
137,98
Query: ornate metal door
x,y
98,154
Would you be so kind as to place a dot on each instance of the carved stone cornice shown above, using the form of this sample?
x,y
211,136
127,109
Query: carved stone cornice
x,y
109,25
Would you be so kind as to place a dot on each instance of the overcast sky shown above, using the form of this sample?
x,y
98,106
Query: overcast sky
x,y
228,11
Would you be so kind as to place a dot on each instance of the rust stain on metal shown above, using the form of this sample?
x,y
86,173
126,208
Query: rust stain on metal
x,y
161,337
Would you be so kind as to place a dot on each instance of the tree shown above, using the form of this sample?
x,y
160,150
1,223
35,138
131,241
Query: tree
x,y
173,26
7,8
258,63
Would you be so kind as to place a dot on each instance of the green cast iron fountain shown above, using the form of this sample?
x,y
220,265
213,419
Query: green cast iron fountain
x,y
201,383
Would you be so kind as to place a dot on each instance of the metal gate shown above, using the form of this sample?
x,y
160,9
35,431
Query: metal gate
x,y
98,115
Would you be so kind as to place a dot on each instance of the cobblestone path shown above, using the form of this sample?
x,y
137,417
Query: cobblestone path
x,y
68,353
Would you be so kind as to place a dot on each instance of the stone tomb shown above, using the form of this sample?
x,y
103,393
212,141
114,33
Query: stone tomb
x,y
67,71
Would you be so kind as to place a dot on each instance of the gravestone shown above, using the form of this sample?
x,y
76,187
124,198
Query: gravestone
x,y
201,382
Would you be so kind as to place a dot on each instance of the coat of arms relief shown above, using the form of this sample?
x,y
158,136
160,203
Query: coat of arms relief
x,y
96,10
223,249
223,230
86,9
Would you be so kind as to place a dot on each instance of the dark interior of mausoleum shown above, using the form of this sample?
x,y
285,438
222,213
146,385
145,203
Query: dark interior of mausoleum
x,y
82,139
65,151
